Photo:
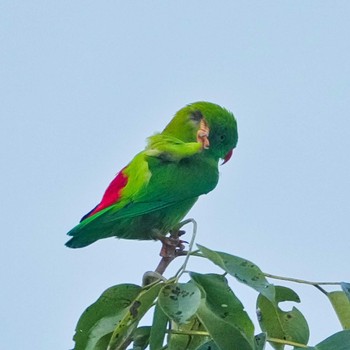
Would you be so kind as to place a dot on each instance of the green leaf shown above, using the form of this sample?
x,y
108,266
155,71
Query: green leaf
x,y
141,337
188,336
96,324
222,314
285,325
346,288
337,341
209,346
260,341
243,270
223,301
179,301
158,329
341,305
140,305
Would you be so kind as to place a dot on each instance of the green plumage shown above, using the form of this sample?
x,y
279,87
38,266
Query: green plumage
x,y
164,180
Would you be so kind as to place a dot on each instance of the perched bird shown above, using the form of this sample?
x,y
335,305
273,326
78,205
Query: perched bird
x,y
154,192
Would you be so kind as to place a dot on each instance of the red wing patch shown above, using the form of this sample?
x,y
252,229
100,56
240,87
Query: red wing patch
x,y
112,194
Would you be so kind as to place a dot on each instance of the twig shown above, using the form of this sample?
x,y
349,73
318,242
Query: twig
x,y
163,264
296,280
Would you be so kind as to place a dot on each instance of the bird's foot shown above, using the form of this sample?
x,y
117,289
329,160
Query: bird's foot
x,y
203,134
172,246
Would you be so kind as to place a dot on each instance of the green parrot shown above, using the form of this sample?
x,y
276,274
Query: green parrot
x,y
154,192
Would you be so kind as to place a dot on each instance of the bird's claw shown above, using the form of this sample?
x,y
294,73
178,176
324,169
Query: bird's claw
x,y
181,233
203,134
172,246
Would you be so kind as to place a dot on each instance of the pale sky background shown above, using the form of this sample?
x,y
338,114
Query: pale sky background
x,y
83,83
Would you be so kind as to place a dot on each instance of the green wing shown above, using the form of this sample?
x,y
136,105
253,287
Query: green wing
x,y
162,176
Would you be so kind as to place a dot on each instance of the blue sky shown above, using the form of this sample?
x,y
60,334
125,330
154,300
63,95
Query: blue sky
x,y
83,83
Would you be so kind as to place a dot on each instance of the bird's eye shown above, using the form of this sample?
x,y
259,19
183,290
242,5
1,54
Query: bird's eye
x,y
222,137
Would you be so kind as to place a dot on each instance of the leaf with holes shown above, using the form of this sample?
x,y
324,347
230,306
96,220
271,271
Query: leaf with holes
x,y
285,325
242,269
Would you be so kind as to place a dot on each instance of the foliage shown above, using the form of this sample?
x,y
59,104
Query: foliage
x,y
205,314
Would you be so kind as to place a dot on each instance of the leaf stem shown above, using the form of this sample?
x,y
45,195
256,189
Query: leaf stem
x,y
188,332
286,342
296,280
196,253
190,246
207,334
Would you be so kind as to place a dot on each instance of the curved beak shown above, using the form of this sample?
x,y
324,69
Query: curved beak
x,y
227,157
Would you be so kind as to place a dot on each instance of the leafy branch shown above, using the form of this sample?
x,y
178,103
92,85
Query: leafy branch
x,y
204,313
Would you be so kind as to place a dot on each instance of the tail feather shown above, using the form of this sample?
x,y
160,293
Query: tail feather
x,y
79,242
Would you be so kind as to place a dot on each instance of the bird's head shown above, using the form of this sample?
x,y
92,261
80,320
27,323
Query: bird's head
x,y
208,123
